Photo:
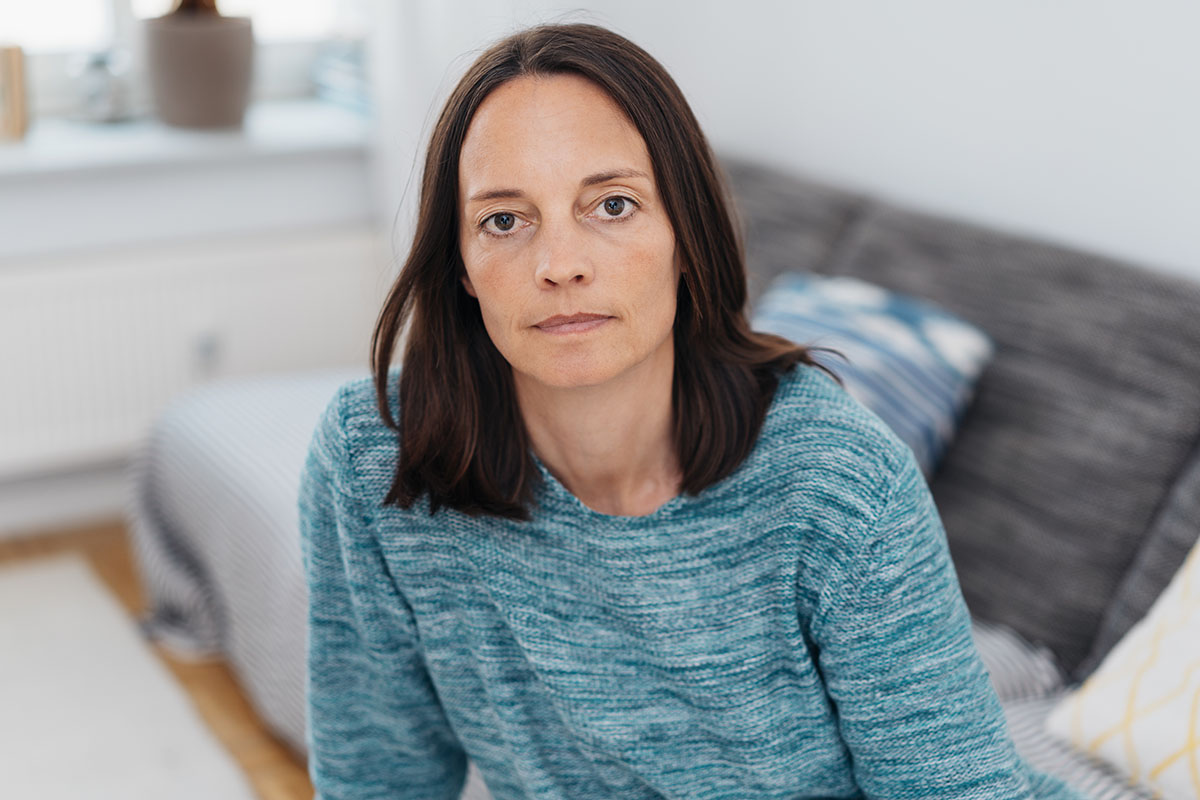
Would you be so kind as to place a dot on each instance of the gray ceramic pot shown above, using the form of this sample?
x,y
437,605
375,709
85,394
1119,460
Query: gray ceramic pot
x,y
200,69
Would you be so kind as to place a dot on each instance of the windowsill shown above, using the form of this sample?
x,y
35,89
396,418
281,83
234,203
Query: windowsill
x,y
74,186
272,128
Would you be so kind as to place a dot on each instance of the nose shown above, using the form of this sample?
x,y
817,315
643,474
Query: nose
x,y
562,255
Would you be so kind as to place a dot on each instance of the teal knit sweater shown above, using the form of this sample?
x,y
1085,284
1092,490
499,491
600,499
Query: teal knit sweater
x,y
795,631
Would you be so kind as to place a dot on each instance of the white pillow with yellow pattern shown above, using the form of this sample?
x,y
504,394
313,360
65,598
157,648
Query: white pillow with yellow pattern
x,y
1140,710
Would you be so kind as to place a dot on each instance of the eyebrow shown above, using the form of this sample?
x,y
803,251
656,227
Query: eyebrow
x,y
590,180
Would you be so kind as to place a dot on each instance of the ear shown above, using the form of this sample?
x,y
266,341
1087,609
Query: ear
x,y
466,282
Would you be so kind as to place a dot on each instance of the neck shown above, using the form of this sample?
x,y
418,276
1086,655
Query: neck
x,y
612,445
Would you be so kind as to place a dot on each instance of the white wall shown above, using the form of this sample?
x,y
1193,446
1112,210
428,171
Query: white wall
x,y
139,262
1077,121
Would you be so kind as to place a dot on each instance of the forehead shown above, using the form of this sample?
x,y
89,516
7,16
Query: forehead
x,y
547,127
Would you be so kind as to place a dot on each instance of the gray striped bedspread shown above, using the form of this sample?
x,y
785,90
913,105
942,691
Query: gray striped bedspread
x,y
213,517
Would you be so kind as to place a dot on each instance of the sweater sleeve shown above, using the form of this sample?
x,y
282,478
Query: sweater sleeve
x,y
375,727
915,706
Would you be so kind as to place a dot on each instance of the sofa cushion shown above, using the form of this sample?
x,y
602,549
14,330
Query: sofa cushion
x,y
1079,427
1173,534
1138,711
911,362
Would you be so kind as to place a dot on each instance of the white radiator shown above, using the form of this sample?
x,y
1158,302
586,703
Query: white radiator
x,y
92,348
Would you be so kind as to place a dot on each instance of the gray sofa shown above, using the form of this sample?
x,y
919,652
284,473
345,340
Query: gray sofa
x,y
1070,495
1072,491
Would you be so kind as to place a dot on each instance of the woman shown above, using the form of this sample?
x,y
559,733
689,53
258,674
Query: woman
x,y
627,548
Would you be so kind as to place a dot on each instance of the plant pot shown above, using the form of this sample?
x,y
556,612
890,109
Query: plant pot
x,y
200,69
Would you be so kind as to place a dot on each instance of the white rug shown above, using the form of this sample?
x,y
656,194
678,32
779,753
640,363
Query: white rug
x,y
86,707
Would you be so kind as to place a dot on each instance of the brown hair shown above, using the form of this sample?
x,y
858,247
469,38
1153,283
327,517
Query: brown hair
x,y
462,437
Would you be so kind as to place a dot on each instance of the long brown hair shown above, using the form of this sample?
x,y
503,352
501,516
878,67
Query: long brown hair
x,y
462,437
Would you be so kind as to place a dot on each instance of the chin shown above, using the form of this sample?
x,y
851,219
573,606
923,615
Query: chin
x,y
574,378
573,374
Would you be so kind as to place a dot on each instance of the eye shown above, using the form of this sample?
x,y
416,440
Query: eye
x,y
615,207
501,221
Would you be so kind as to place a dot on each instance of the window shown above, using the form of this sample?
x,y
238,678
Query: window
x,y
274,20
56,25
57,34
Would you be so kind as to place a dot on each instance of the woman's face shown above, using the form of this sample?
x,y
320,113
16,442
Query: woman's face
x,y
560,216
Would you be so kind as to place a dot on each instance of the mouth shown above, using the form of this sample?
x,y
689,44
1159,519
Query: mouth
x,y
572,323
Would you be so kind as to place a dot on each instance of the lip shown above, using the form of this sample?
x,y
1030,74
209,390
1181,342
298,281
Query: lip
x,y
572,323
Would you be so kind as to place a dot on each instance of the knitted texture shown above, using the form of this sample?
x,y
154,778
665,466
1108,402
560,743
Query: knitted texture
x,y
794,631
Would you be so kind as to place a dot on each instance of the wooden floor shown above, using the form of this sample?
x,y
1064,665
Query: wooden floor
x,y
274,771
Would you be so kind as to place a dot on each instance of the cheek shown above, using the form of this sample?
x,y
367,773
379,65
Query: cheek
x,y
656,278
480,269
495,288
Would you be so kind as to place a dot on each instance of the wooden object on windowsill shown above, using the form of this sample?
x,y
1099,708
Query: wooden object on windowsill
x,y
14,102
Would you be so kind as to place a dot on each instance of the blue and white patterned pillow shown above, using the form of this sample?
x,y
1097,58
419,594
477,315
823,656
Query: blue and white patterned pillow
x,y
911,362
